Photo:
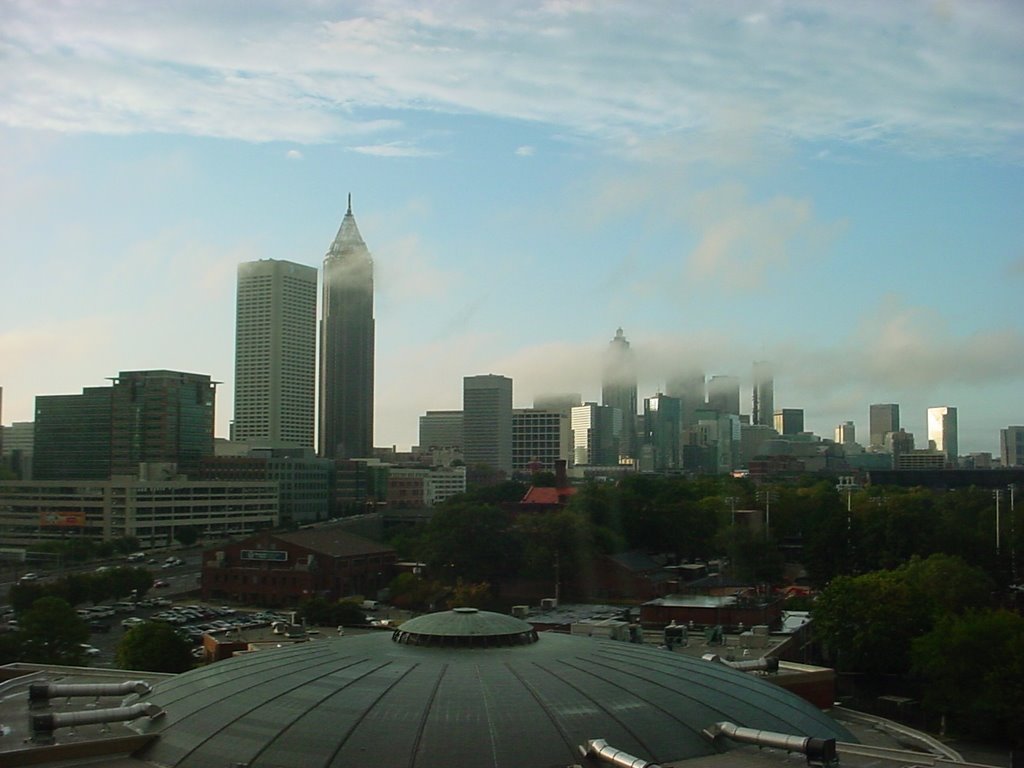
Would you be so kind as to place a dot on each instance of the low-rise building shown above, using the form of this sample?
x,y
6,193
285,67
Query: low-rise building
x,y
283,568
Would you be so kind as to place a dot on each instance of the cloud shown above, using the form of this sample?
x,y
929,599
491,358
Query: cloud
x,y
525,151
293,154
902,74
393,149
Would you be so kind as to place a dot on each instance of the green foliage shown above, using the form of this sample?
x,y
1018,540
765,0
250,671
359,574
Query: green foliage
x,y
186,535
50,632
77,588
154,647
409,591
971,667
471,541
869,621
319,612
467,595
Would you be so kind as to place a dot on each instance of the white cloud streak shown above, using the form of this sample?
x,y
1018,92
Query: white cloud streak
x,y
928,77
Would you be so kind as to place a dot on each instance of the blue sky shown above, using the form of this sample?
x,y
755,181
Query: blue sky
x,y
834,187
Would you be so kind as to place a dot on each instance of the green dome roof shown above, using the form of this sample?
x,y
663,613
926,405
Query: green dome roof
x,y
465,627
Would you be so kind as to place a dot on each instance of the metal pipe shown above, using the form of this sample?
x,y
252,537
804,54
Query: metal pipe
x,y
764,664
46,691
43,725
601,750
823,750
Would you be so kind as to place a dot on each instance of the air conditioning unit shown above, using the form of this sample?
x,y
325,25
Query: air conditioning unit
x,y
520,611
548,603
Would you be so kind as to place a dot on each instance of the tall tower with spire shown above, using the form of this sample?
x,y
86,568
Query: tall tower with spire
x,y
618,388
346,346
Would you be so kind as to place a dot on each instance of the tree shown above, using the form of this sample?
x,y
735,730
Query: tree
x,y
971,667
471,541
50,632
154,647
186,535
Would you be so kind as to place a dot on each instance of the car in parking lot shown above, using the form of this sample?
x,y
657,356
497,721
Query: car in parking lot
x,y
131,621
161,584
89,650
99,626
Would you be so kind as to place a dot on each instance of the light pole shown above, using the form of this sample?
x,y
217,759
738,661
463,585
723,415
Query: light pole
x,y
997,495
767,495
731,501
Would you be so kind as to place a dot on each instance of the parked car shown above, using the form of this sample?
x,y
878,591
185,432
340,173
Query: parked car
x,y
161,584
99,626
89,650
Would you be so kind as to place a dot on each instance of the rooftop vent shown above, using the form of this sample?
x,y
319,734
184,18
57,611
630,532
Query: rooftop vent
x,y
465,628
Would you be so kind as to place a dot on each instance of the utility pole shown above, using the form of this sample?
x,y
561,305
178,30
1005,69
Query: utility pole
x,y
997,495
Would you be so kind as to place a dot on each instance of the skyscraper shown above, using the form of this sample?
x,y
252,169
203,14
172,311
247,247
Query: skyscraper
x,y
883,419
618,388
689,389
346,346
163,417
275,354
662,430
763,395
724,395
789,421
487,421
942,429
596,431
1011,446
846,433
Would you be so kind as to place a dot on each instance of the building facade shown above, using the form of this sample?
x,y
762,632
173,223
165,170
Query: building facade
x,y
275,354
487,421
789,421
596,434
846,433
72,436
441,429
763,395
347,346
663,431
883,419
724,395
690,390
618,389
283,568
942,430
1011,446
540,438
161,417
151,511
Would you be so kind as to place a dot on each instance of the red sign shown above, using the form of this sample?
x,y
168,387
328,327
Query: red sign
x,y
62,519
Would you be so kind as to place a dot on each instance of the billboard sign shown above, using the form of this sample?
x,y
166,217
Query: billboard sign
x,y
60,519
265,555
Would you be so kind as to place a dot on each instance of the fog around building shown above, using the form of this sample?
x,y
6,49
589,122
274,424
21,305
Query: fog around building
x,y
831,188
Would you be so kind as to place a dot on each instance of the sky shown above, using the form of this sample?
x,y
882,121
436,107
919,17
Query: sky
x,y
835,187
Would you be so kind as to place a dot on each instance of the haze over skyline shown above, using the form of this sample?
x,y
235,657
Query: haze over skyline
x,y
834,188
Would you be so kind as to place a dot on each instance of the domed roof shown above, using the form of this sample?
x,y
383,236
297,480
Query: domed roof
x,y
377,700
463,627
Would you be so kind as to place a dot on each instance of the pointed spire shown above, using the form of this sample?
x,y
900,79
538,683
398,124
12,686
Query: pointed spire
x,y
348,239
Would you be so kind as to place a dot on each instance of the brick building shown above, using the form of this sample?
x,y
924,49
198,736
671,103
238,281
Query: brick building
x,y
279,569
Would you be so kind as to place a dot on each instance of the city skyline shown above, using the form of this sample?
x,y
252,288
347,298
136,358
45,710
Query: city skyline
x,y
832,189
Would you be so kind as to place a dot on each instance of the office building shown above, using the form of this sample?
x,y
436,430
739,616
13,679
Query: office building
x,y
146,508
846,433
596,433
72,436
1011,446
763,395
883,419
662,431
942,430
487,421
789,421
275,354
161,417
724,395
441,429
347,346
618,388
689,389
540,438
563,401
